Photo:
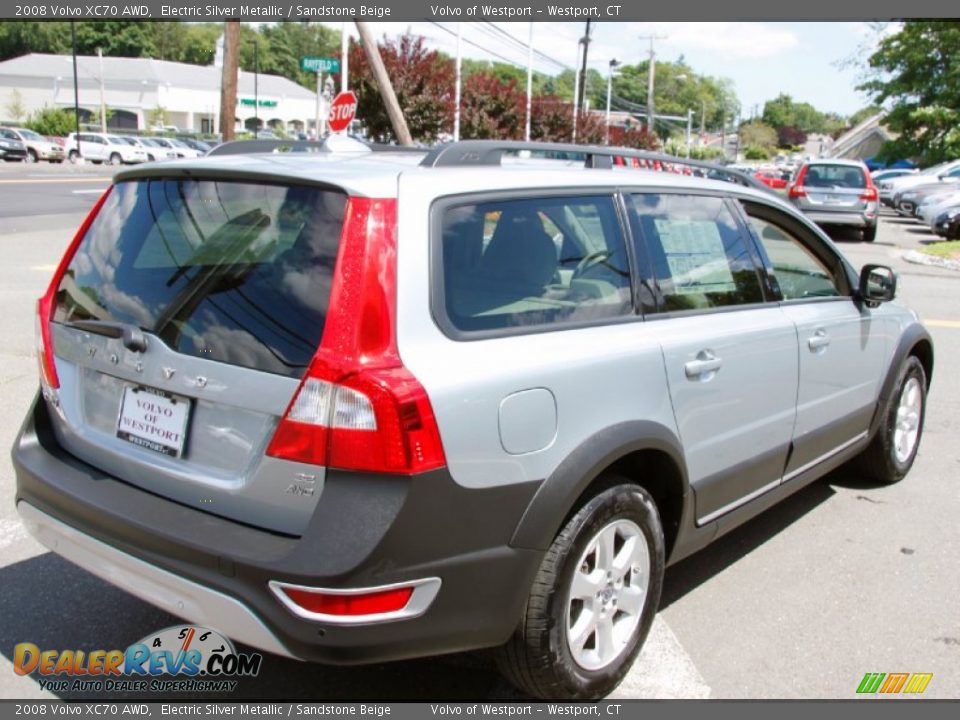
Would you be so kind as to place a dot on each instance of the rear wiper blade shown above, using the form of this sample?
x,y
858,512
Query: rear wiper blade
x,y
133,337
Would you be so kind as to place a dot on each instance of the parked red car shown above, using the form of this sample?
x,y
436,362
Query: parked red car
x,y
771,179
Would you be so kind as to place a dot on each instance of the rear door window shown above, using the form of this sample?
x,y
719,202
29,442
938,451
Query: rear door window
x,y
228,271
699,255
533,262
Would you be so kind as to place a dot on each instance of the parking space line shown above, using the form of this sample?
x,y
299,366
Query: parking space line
x,y
44,268
87,179
86,192
11,531
663,670
954,324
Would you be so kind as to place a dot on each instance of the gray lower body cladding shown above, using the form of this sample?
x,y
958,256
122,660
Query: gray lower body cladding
x,y
368,530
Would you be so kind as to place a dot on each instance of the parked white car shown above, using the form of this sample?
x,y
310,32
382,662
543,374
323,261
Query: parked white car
x,y
103,148
180,148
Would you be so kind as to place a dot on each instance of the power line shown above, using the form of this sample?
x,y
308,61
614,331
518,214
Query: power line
x,y
538,53
470,42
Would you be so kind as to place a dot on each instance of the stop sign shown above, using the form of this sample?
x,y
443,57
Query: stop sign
x,y
342,110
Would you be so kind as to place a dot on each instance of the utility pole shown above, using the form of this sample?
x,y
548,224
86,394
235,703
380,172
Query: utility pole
x,y
256,89
613,64
76,88
103,104
585,40
651,70
526,132
344,58
228,86
456,87
389,97
689,129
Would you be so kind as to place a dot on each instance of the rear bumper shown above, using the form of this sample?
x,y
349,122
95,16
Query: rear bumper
x,y
841,218
367,531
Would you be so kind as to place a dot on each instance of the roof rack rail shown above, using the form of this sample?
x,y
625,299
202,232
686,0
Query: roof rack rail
x,y
490,153
271,145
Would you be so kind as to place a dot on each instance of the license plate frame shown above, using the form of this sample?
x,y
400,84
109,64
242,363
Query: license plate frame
x,y
154,419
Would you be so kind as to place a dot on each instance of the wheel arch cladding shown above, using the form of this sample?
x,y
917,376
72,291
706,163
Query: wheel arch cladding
x,y
915,341
643,452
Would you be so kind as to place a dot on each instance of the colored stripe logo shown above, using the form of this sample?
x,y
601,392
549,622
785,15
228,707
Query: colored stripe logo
x,y
894,683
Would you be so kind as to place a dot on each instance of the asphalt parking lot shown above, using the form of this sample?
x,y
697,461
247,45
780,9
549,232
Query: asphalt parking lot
x,y
842,579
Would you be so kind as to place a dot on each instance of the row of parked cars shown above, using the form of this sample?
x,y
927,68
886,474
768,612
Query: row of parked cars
x,y
23,145
932,196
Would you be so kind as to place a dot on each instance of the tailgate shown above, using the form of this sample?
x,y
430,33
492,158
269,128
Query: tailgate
x,y
182,327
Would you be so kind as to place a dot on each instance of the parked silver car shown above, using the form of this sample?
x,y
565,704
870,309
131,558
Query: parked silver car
x,y
362,406
837,192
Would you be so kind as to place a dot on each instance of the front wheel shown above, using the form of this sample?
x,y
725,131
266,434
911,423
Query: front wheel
x,y
115,159
72,156
893,449
31,156
593,600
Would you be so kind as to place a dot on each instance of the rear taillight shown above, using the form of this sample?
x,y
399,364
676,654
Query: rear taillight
x,y
797,190
47,304
372,603
358,407
870,194
344,606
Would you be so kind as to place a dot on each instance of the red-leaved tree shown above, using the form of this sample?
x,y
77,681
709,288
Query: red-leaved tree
x,y
491,108
422,79
633,137
552,121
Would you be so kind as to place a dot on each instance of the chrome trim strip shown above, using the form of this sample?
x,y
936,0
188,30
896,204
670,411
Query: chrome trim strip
x,y
178,596
826,456
424,592
786,478
738,502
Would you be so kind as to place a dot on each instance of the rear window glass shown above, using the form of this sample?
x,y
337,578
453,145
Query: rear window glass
x,y
228,271
842,176
534,262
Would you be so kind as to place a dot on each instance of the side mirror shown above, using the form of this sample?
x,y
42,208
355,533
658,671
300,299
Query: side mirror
x,y
878,283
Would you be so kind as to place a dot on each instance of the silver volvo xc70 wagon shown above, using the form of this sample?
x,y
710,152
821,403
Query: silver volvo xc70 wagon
x,y
361,406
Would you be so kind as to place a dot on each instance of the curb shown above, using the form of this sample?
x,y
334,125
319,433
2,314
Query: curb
x,y
919,258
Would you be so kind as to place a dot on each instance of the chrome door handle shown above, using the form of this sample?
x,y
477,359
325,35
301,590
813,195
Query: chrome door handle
x,y
706,364
819,341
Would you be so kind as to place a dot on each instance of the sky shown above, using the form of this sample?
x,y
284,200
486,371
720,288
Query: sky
x,y
810,61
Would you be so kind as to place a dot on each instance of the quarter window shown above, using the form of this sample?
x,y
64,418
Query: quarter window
x,y
798,272
699,256
533,262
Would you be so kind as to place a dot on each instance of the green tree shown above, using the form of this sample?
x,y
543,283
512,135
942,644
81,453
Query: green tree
x,y
21,37
758,134
919,80
52,121
677,90
15,108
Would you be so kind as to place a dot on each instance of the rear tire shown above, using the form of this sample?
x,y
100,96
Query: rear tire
x,y
72,156
890,455
593,600
870,233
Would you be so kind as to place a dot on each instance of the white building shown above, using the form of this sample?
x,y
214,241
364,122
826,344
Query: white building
x,y
136,89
